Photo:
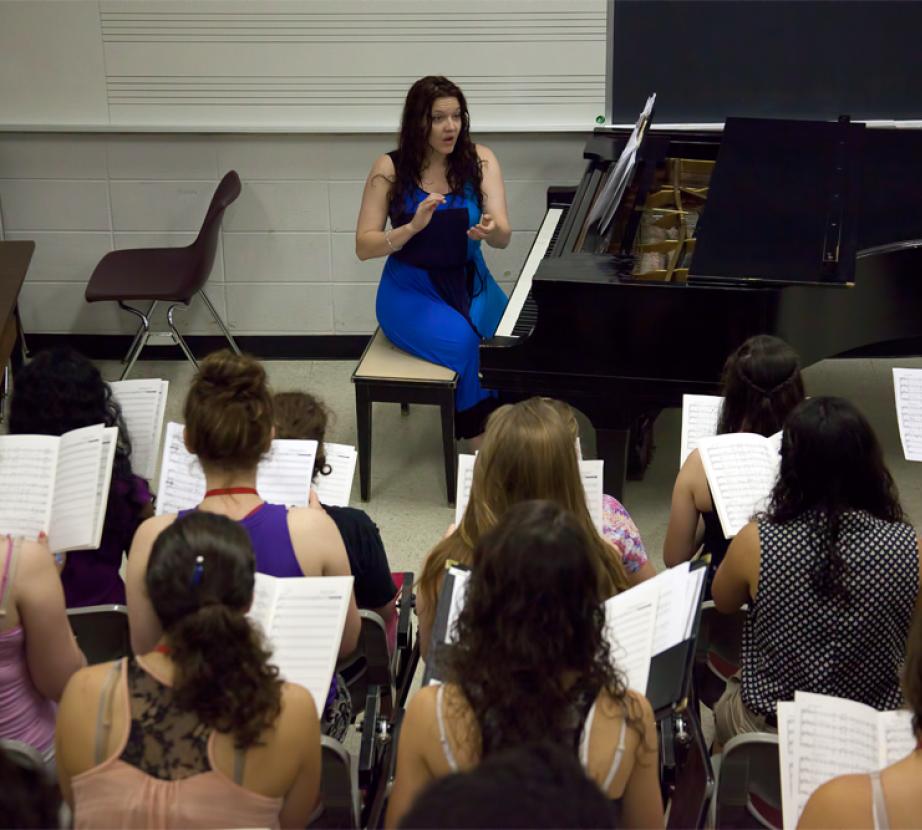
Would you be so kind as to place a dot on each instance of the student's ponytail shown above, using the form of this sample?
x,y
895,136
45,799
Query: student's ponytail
x,y
200,580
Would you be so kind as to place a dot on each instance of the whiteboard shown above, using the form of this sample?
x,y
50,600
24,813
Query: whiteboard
x,y
327,65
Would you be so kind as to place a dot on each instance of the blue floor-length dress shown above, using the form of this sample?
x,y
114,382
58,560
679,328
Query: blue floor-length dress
x,y
416,318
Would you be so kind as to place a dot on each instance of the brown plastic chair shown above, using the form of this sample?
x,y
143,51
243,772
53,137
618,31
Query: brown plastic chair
x,y
167,275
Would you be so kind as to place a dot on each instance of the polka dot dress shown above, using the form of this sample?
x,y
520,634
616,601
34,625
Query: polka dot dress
x,y
797,639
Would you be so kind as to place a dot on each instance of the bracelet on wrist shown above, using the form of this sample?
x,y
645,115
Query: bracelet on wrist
x,y
387,239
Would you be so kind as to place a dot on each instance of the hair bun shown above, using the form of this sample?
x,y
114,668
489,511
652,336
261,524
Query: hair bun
x,y
234,375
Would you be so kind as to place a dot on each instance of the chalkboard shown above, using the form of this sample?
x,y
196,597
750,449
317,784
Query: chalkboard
x,y
810,59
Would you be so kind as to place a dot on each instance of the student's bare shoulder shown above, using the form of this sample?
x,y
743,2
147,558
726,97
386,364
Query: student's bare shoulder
x,y
151,528
844,802
485,154
383,166
86,685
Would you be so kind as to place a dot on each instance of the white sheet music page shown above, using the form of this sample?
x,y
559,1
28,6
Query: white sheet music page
x,y
465,477
895,735
835,737
461,580
104,483
630,622
336,488
182,481
285,472
305,628
787,748
143,404
907,387
28,466
76,485
700,415
591,474
671,607
741,469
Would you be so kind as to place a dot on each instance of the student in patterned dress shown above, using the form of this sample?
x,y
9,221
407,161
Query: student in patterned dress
x,y
830,572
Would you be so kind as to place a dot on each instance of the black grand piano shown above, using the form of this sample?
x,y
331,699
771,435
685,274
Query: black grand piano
x,y
811,231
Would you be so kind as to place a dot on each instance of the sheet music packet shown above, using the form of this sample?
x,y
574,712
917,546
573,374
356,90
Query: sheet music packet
x,y
283,476
590,473
821,737
606,204
57,485
741,469
700,416
335,488
303,619
143,405
907,388
651,618
451,602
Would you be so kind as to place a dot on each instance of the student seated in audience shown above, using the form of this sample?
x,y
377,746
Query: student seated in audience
x,y
530,663
300,415
761,385
60,390
229,426
884,799
528,453
200,732
534,785
830,572
38,652
617,525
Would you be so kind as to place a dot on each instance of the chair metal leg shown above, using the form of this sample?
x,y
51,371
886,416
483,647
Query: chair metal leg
x,y
140,339
149,314
220,322
177,336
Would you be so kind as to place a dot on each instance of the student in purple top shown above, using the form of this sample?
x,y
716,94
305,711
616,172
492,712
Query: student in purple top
x,y
60,390
229,426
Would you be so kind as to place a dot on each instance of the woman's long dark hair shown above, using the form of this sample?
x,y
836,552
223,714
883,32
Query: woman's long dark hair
x,y
413,143
831,463
60,390
200,581
761,385
533,620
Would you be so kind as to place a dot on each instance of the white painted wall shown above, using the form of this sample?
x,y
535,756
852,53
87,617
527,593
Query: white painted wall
x,y
286,261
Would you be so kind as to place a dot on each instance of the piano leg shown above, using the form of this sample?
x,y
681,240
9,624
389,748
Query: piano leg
x,y
611,447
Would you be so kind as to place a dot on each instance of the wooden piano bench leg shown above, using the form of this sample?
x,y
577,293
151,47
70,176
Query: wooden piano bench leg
x,y
363,405
447,407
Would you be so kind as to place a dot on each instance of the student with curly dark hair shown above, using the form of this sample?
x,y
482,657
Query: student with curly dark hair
x,y
302,415
200,732
761,385
437,298
830,572
531,662
60,390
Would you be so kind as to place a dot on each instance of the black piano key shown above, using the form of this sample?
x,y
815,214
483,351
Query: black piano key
x,y
528,316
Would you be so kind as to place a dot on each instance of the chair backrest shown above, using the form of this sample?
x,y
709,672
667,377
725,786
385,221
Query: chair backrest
x,y
23,755
339,786
101,632
718,651
206,243
370,664
749,782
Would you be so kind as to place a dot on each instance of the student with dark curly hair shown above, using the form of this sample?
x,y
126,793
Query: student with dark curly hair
x,y
889,798
830,572
200,732
761,385
437,298
531,662
60,390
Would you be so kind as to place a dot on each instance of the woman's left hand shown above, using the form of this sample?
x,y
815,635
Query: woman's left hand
x,y
483,228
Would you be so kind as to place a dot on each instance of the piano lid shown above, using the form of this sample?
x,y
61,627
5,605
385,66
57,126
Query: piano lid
x,y
782,205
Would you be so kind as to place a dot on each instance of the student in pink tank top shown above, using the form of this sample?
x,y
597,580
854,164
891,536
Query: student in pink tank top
x,y
38,652
200,732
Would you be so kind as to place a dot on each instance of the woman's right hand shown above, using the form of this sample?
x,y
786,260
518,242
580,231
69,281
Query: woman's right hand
x,y
424,211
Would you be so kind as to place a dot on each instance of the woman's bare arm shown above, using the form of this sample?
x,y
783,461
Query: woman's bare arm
x,y
497,231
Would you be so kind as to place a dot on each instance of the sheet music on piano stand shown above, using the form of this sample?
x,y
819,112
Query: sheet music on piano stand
x,y
603,211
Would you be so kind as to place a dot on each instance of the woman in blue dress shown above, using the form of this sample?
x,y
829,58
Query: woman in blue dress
x,y
444,196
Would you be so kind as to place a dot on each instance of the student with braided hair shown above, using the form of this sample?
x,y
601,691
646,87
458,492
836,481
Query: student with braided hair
x,y
761,385
830,572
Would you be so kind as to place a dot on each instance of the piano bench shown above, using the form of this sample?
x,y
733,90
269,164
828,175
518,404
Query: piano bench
x,y
386,374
